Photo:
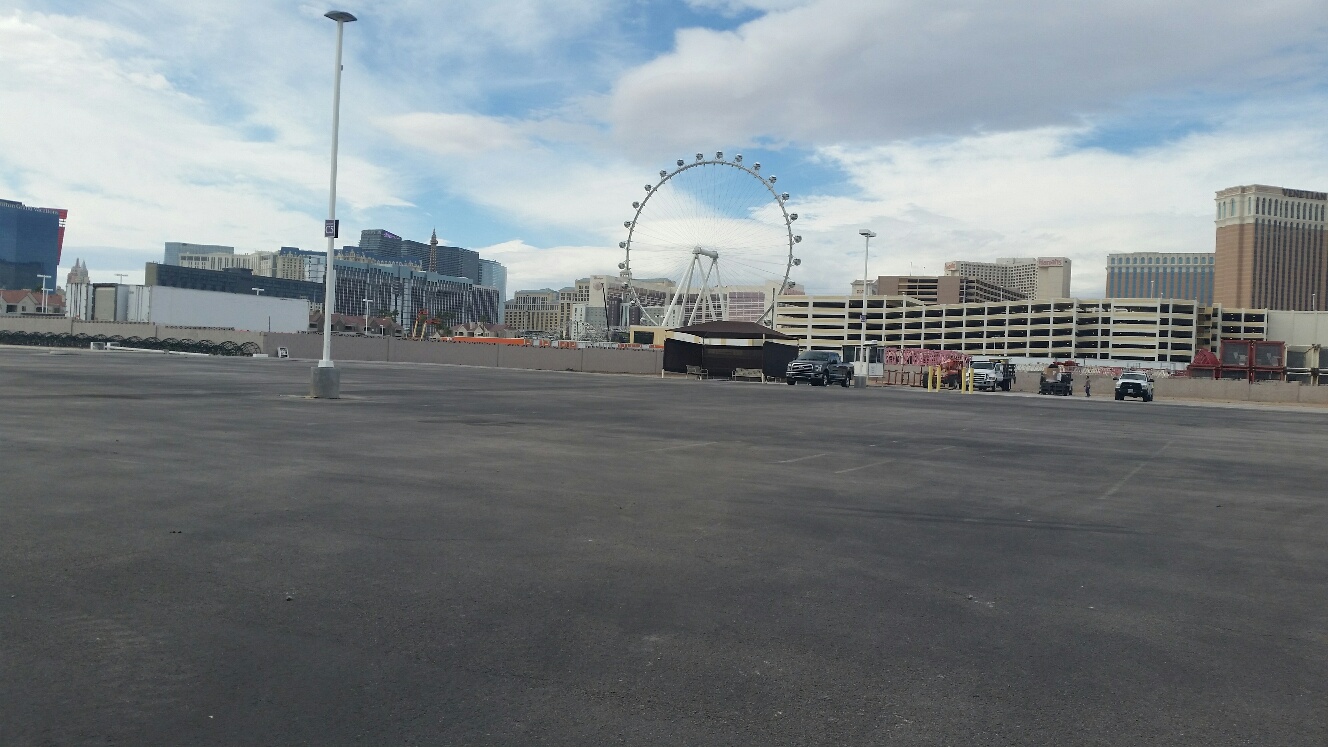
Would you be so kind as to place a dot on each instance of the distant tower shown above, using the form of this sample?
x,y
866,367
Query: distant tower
x,y
78,292
433,252
78,274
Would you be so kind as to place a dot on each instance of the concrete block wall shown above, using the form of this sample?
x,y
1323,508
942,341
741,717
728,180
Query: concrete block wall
x,y
1241,391
592,360
1313,395
58,325
304,347
602,360
458,353
67,326
197,333
541,359
1027,382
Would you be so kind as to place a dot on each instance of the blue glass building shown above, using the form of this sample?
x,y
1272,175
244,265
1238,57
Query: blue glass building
x,y
29,245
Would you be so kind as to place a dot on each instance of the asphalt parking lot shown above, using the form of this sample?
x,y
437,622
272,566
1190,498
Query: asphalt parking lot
x,y
193,553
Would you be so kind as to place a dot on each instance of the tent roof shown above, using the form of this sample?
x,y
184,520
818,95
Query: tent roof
x,y
733,330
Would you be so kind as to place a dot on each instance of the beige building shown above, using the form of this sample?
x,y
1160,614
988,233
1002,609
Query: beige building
x,y
598,306
29,302
944,289
1270,249
1152,330
1038,278
483,329
534,312
268,264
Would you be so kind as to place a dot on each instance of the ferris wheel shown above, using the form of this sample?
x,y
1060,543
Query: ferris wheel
x,y
711,240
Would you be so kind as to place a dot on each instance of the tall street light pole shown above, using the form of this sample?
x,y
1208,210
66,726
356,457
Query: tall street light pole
x,y
366,316
325,380
861,367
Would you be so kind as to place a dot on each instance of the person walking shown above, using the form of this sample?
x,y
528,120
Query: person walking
x,y
1088,386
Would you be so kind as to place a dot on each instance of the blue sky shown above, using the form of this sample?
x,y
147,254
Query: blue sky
x,y
524,128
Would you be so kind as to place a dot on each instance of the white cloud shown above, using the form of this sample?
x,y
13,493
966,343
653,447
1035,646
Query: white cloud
x,y
733,7
1032,193
454,134
854,70
479,27
137,161
1024,193
530,267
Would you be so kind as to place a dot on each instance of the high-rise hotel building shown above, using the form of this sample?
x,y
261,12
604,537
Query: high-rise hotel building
x,y
1179,275
1033,277
1270,250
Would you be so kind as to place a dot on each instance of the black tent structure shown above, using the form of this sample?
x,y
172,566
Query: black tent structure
x,y
722,347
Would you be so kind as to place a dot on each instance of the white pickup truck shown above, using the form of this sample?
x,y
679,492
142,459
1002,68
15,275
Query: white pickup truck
x,y
1135,384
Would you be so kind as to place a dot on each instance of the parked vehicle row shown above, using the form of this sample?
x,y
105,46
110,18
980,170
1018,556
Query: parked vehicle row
x,y
825,367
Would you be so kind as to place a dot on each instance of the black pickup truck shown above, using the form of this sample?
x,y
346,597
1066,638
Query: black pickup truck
x,y
819,368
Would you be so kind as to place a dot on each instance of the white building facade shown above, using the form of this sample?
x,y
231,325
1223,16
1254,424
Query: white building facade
x,y
1146,330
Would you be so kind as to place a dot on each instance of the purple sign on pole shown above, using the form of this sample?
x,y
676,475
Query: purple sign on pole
x,y
331,229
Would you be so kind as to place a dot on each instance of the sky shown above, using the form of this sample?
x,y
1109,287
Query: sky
x,y
526,128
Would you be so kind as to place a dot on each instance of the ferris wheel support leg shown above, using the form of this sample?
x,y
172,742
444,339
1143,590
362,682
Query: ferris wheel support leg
x,y
699,305
768,316
673,312
719,288
705,302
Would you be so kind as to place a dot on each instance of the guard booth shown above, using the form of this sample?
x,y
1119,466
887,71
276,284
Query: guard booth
x,y
875,357
720,348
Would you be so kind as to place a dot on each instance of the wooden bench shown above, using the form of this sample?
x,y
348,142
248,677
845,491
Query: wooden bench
x,y
698,372
749,373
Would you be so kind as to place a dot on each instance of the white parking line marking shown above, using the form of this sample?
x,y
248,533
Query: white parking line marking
x,y
1129,475
799,459
865,466
683,446
883,461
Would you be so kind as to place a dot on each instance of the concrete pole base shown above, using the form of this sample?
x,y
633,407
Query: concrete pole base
x,y
860,382
325,382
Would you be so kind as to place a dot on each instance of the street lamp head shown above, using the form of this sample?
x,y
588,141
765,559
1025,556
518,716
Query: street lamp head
x,y
867,232
340,16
